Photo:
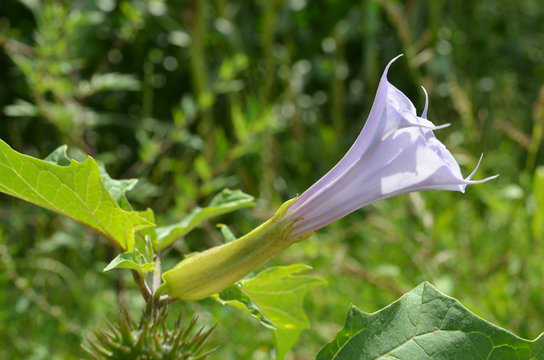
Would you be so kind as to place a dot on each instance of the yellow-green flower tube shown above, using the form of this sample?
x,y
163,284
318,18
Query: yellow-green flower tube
x,y
215,269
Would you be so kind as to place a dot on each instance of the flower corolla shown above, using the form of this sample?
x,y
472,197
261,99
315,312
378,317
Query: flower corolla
x,y
395,153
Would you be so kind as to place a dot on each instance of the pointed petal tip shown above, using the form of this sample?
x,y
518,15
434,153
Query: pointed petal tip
x,y
389,64
474,182
488,178
476,169
424,113
443,126
469,180
393,60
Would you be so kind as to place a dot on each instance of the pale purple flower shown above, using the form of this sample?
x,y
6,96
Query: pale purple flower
x,y
395,153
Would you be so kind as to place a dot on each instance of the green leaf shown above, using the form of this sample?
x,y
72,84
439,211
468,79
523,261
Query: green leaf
x,y
225,202
426,324
118,188
227,232
59,156
21,108
235,297
230,200
275,297
107,82
75,190
131,260
537,224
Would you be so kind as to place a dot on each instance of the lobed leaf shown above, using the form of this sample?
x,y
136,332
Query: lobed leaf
x,y
116,188
73,189
275,297
235,297
426,324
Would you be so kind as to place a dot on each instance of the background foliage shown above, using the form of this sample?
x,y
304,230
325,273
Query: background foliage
x,y
195,96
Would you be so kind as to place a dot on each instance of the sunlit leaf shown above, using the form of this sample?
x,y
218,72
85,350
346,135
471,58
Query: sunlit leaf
x,y
235,297
275,297
108,82
225,202
131,260
75,190
116,188
426,324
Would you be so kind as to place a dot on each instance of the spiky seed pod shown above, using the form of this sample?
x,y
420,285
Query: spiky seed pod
x,y
151,339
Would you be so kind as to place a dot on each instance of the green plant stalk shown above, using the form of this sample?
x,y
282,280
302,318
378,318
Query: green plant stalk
x,y
215,269
268,28
196,22
339,91
538,130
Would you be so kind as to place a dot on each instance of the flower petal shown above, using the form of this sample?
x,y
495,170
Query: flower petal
x,y
395,153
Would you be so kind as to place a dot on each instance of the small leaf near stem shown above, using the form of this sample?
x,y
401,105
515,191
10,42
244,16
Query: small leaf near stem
x,y
162,287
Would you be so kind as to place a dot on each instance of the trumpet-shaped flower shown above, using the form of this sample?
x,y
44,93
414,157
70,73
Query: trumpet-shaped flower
x,y
395,153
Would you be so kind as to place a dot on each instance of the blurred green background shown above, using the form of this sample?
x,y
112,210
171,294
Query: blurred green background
x,y
265,96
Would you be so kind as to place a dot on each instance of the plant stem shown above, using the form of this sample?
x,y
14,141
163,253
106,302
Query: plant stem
x,y
165,300
142,286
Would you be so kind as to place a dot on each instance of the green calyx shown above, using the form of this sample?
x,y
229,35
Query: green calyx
x,y
215,269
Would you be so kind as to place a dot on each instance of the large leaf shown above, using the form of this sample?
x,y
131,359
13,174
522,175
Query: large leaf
x,y
225,202
75,190
116,188
275,297
426,324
